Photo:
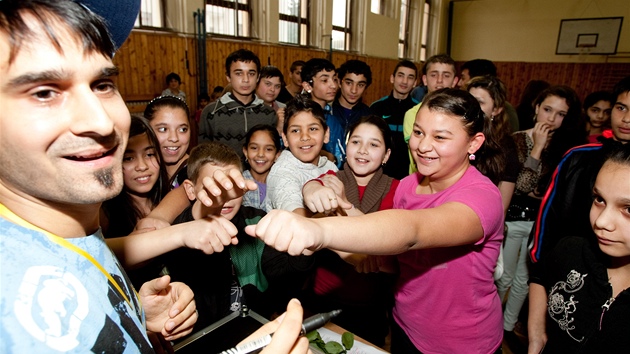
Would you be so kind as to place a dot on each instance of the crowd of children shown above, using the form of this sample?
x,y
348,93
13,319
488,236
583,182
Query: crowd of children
x,y
314,149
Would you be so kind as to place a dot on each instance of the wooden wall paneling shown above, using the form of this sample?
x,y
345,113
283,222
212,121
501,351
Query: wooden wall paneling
x,y
126,66
146,58
584,78
159,61
136,55
145,64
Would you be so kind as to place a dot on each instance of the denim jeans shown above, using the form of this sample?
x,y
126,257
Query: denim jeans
x,y
515,272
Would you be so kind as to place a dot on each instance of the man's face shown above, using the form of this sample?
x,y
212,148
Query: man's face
x,y
439,76
296,76
404,80
620,118
173,84
63,123
244,77
268,89
352,87
464,78
323,87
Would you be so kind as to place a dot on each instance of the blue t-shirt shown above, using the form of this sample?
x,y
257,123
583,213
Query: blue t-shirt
x,y
55,300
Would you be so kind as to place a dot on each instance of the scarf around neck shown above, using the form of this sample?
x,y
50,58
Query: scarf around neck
x,y
375,191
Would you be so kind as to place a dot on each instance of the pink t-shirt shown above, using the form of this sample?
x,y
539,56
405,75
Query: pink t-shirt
x,y
446,300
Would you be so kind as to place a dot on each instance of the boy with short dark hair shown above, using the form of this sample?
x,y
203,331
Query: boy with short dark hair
x,y
229,118
474,68
319,80
173,81
355,76
304,134
392,108
269,86
295,80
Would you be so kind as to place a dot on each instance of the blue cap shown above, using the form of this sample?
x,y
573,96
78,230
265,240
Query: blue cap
x,y
119,15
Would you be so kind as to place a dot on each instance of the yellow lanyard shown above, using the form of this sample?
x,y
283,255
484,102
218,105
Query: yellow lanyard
x,y
9,215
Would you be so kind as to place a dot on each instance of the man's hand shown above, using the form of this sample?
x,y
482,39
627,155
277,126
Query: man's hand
x,y
170,307
286,332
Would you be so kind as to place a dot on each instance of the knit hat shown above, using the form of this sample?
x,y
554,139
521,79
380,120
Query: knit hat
x,y
119,15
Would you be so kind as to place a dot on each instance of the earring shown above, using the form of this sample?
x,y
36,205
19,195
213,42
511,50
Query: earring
x,y
471,157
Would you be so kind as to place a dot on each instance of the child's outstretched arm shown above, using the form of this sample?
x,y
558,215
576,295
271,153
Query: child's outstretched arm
x,y
326,195
384,232
209,235
217,190
173,204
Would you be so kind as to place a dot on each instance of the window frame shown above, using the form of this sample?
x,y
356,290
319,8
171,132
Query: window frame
x,y
300,21
404,42
235,6
347,30
139,25
425,29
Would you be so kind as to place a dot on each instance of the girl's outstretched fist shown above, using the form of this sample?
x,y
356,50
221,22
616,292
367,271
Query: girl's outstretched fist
x,y
289,232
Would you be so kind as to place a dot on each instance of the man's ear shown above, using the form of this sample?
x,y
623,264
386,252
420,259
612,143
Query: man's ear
x,y
189,187
455,81
391,78
327,135
227,76
424,80
306,86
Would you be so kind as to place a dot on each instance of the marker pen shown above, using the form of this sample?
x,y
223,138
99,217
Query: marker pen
x,y
308,325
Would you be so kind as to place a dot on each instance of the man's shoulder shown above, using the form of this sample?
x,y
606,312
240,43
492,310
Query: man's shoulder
x,y
583,155
211,109
380,101
361,107
408,103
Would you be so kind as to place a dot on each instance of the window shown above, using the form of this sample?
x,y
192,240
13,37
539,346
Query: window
x,y
229,17
403,32
383,7
151,14
341,24
377,7
294,21
425,30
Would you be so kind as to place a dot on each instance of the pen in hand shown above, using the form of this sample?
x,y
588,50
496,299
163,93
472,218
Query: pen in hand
x,y
310,324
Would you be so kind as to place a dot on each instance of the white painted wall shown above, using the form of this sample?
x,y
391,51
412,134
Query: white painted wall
x,y
527,30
